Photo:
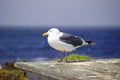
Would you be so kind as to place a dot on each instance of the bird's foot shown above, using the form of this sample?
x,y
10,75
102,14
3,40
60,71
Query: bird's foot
x,y
64,61
60,60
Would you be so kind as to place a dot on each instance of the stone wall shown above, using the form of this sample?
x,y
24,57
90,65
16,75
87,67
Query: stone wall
x,y
102,69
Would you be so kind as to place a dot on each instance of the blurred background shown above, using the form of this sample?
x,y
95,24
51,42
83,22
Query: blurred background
x,y
22,23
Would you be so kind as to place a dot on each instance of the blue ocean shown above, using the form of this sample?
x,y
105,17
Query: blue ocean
x,y
28,44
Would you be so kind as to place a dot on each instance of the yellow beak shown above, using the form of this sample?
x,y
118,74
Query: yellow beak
x,y
45,34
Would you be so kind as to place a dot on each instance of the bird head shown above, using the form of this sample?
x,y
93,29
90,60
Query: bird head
x,y
52,31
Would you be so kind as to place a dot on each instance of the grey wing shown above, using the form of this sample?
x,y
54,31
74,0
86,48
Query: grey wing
x,y
71,39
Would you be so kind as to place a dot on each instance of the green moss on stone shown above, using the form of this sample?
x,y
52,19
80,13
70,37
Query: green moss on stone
x,y
76,57
9,72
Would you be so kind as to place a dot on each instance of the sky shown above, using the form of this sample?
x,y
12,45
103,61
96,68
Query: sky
x,y
59,12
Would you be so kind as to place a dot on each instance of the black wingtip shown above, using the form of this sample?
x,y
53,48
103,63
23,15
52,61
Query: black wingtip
x,y
90,42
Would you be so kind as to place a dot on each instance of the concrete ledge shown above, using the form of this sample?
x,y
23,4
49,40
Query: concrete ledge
x,y
102,69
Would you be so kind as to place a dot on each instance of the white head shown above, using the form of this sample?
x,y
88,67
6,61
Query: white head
x,y
52,31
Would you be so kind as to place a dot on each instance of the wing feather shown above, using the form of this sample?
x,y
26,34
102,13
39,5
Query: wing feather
x,y
71,39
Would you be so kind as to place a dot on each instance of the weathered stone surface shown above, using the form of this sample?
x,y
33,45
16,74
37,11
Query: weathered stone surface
x,y
102,69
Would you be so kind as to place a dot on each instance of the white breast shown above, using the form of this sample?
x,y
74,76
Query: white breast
x,y
55,43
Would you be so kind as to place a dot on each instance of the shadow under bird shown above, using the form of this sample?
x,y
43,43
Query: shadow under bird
x,y
64,42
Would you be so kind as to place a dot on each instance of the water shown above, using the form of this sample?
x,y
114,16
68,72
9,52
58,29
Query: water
x,y
28,44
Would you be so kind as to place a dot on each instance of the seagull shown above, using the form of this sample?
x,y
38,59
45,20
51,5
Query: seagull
x,y
64,42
